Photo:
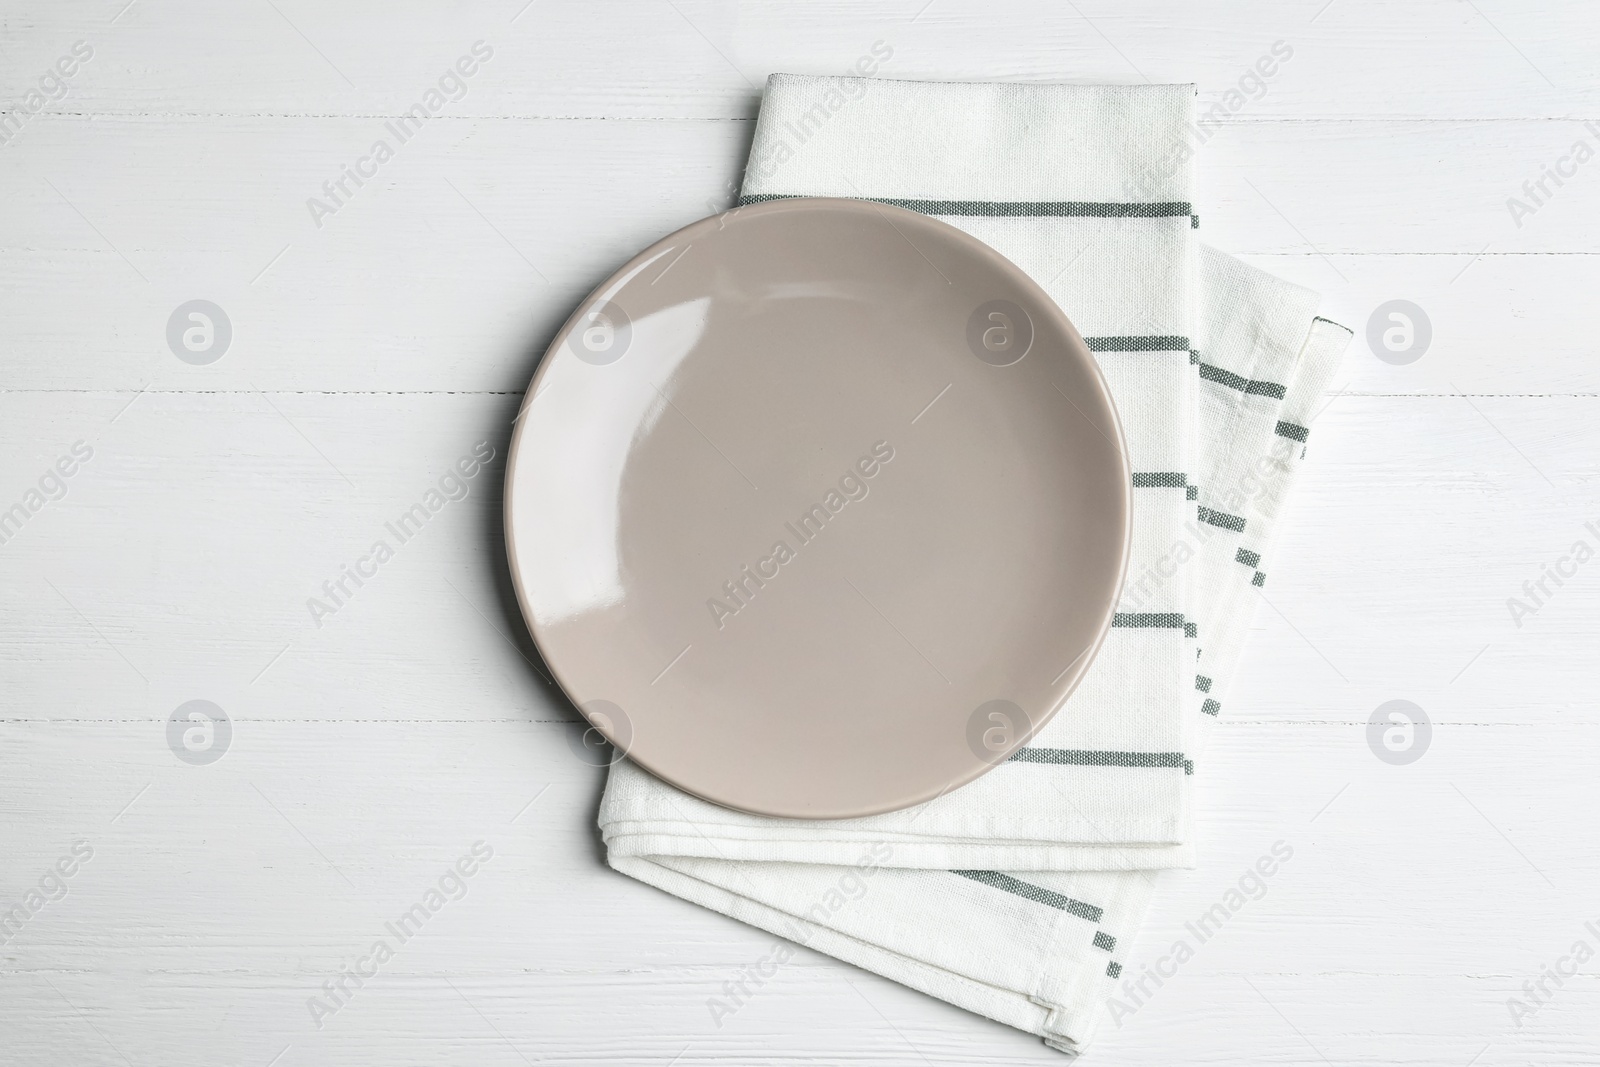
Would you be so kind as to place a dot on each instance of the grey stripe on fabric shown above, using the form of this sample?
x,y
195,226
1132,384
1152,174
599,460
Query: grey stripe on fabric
x,y
1210,707
1159,480
1104,940
1191,630
1292,431
1165,620
1037,894
1202,683
1194,357
1222,519
1094,757
1247,557
1192,493
1138,343
1245,385
1032,209
1259,579
1113,969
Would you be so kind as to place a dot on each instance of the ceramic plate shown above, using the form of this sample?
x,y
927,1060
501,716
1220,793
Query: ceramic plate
x,y
818,508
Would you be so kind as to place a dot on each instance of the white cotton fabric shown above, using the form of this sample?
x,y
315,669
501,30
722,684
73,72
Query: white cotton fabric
x,y
1017,895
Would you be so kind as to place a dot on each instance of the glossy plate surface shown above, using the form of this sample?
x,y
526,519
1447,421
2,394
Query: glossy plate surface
x,y
818,508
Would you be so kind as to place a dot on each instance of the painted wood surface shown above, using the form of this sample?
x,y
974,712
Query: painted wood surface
x,y
375,746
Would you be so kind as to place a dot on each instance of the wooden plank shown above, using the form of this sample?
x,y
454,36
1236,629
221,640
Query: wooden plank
x,y
454,267
257,486
573,961
1374,164
696,58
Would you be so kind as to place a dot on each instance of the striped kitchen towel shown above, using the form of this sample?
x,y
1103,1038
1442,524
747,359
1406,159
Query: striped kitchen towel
x,y
1016,895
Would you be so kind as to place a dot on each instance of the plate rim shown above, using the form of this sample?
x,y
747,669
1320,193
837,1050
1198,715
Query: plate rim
x,y
783,204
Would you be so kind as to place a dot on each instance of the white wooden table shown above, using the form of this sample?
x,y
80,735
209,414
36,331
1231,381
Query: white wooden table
x,y
374,344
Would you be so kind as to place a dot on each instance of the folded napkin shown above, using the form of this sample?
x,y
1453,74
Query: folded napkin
x,y
1016,895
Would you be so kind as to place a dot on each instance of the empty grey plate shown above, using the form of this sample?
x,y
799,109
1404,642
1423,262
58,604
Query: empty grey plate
x,y
818,508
